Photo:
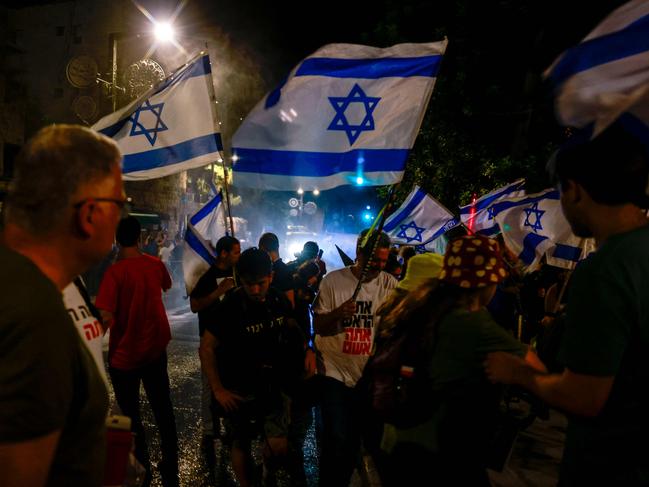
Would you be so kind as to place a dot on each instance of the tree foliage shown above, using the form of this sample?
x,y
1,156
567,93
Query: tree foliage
x,y
490,119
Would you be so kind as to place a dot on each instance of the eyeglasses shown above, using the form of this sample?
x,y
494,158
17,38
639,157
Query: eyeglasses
x,y
120,203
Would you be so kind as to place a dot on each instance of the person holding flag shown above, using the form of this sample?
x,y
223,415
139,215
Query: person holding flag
x,y
344,336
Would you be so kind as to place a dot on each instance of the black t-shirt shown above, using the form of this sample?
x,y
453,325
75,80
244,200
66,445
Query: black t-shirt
x,y
261,347
206,285
282,276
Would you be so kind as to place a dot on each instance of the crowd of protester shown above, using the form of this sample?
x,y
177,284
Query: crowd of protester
x,y
402,357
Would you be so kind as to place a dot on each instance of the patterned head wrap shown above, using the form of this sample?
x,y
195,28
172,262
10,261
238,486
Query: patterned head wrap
x,y
473,261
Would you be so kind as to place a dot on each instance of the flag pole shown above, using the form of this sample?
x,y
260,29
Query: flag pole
x,y
210,89
380,218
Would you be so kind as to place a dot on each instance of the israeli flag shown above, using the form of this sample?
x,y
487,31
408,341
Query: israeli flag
x,y
478,216
610,64
534,225
436,246
204,229
419,220
169,129
347,114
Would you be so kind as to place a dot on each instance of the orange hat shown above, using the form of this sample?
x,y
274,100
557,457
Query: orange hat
x,y
473,261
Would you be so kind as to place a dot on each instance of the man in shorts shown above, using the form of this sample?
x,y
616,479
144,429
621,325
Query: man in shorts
x,y
252,352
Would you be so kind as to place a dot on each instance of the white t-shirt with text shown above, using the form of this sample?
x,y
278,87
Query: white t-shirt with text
x,y
343,356
87,325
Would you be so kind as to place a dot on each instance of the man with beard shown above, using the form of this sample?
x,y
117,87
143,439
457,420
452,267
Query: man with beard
x,y
344,334
605,348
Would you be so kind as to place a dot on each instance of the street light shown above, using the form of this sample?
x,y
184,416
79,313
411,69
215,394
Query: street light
x,y
298,205
163,32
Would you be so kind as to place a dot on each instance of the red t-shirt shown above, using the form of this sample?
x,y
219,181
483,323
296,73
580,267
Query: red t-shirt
x,y
131,289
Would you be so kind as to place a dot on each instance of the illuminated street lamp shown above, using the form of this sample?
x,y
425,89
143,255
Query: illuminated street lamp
x,y
162,32
298,205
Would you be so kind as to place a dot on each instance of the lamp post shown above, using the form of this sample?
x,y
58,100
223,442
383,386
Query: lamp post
x,y
300,207
163,32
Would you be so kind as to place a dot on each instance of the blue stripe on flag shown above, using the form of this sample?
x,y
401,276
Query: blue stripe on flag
x,y
371,68
207,209
483,204
531,241
172,154
112,130
631,40
197,246
200,67
318,164
394,221
505,205
489,232
567,252
453,222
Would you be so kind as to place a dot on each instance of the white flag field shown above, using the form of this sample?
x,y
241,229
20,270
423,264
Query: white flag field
x,y
348,114
594,79
533,226
204,229
478,216
169,129
419,220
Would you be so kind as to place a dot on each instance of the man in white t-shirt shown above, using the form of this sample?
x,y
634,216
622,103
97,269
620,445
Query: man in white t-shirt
x,y
344,335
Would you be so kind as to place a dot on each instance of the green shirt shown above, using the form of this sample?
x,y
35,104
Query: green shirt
x,y
48,379
607,334
462,342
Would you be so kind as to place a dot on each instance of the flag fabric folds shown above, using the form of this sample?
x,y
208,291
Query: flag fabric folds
x,y
479,218
347,114
596,77
169,129
204,229
419,220
534,225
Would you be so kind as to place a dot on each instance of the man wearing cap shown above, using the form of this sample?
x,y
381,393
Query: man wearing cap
x,y
344,335
605,348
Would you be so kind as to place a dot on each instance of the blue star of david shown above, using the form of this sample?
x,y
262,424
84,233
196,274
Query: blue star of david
x,y
150,133
534,209
404,232
490,213
340,104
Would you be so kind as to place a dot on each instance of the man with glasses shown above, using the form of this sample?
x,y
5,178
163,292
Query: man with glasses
x,y
130,301
60,217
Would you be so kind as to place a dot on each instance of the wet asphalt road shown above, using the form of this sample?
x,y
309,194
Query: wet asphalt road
x,y
534,460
